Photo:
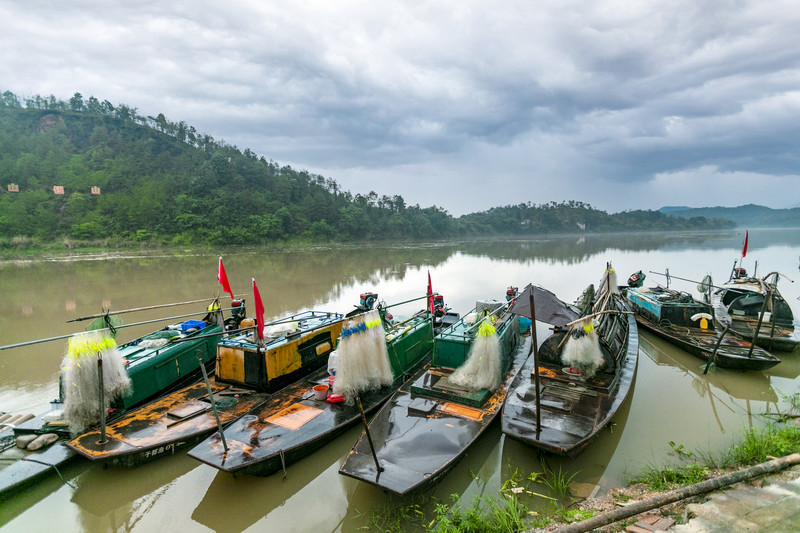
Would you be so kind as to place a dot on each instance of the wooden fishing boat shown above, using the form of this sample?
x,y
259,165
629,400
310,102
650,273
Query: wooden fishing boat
x,y
156,363
749,304
246,373
689,324
430,422
296,421
571,408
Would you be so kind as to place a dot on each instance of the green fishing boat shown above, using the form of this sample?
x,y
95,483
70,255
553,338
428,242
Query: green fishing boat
x,y
306,415
153,364
432,420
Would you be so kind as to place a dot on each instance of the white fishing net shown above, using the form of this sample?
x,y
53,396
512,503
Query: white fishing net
x,y
81,383
582,349
481,370
363,357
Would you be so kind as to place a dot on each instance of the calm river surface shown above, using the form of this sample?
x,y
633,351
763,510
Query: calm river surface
x,y
672,400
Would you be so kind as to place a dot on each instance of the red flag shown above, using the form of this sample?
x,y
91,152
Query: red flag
x,y
430,293
259,311
222,277
744,248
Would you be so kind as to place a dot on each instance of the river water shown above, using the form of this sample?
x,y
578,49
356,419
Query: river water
x,y
672,401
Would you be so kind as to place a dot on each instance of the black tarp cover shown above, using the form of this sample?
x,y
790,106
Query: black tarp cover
x,y
549,308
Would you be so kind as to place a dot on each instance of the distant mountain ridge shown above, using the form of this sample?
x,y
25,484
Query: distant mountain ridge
x,y
750,215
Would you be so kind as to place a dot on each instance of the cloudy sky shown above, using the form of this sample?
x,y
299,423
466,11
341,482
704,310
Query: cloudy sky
x,y
457,103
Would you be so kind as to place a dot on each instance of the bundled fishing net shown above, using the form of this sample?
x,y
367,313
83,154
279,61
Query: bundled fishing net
x,y
608,290
705,285
380,352
280,330
110,322
363,358
582,349
471,318
81,383
482,367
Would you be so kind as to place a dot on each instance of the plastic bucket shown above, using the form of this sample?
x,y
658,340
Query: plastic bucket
x,y
320,392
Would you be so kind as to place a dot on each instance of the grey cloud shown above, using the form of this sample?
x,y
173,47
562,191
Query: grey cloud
x,y
582,101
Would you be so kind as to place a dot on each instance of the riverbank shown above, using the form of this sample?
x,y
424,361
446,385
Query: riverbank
x,y
716,494
769,502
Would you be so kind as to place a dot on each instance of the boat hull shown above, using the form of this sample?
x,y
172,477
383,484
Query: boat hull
x,y
30,467
164,426
732,352
573,409
672,321
742,301
152,370
185,417
292,424
418,437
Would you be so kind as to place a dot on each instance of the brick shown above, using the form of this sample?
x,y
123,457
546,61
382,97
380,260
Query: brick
x,y
636,529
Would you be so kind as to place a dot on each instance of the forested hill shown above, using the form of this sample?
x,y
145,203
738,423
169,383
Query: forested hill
x,y
753,216
89,170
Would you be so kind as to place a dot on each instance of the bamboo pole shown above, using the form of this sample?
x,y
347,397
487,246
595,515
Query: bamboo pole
x,y
409,301
713,357
199,354
686,279
534,347
38,341
759,322
136,309
369,437
614,311
101,394
682,493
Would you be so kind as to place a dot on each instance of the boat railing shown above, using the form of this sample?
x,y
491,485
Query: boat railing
x,y
318,320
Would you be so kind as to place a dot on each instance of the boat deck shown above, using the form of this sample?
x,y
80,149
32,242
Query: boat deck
x,y
573,408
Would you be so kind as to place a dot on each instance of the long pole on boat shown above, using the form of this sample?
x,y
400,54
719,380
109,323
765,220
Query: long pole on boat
x,y
38,341
673,276
713,356
776,278
136,309
760,321
535,350
101,395
369,437
199,354
409,301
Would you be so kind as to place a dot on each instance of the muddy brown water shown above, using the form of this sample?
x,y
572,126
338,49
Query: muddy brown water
x,y
672,399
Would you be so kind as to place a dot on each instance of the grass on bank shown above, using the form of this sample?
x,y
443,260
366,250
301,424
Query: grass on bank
x,y
757,446
511,511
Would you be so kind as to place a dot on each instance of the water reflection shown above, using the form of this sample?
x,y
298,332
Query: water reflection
x,y
672,400
720,387
118,498
236,503
737,384
589,468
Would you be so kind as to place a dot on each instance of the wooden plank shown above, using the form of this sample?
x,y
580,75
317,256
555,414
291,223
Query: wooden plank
x,y
295,416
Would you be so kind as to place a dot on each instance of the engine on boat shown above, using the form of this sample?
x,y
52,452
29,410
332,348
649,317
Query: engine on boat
x,y
238,313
